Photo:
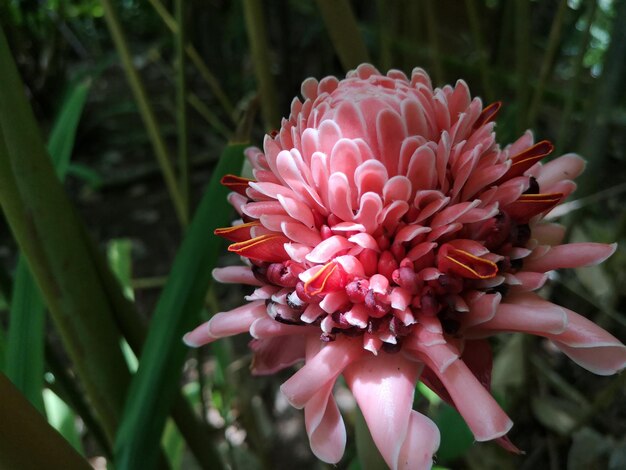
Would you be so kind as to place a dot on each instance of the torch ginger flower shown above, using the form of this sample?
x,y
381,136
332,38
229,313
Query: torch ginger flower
x,y
387,235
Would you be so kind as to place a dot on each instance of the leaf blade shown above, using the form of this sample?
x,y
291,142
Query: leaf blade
x,y
178,307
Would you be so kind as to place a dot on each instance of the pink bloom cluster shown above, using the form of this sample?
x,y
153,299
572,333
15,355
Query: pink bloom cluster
x,y
387,235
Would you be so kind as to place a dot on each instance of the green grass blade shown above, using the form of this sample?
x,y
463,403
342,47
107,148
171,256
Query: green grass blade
x,y
49,233
26,439
63,133
25,345
27,318
176,312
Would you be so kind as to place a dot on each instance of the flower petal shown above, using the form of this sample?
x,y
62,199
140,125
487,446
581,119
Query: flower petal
x,y
383,386
323,368
224,324
571,255
275,354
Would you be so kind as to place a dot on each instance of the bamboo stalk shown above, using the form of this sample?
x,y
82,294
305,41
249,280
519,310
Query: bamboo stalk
x,y
146,111
257,37
479,44
344,32
548,59
574,87
181,105
208,115
197,61
433,40
522,55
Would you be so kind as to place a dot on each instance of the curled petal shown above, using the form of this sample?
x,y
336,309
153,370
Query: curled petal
x,y
524,160
529,205
466,265
268,247
329,278
236,233
236,183
488,114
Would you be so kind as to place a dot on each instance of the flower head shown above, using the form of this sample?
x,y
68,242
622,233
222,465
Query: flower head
x,y
387,235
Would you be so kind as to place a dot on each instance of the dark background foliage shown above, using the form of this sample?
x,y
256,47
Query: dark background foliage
x,y
558,66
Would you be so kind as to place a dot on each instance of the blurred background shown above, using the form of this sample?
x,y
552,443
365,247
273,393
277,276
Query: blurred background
x,y
151,90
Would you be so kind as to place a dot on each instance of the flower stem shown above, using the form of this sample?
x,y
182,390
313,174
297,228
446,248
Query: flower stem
x,y
145,110
181,105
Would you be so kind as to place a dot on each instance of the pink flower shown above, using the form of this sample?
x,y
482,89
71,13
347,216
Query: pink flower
x,y
387,235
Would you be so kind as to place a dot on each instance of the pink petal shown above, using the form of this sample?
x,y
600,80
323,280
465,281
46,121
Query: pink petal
x,y
324,426
590,346
236,275
266,327
548,234
529,281
320,370
542,318
224,324
275,354
482,308
328,249
340,196
481,412
566,167
601,360
391,132
572,255
383,387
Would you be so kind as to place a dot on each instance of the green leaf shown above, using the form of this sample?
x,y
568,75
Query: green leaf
x,y
157,379
27,317
25,343
63,133
49,233
86,174
456,438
